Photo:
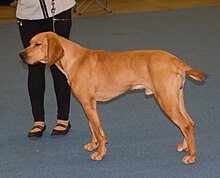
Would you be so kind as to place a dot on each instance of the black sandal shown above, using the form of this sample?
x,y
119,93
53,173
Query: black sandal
x,y
37,134
59,133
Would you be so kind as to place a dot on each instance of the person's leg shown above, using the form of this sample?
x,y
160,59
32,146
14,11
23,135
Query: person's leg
x,y
36,78
61,86
36,88
62,91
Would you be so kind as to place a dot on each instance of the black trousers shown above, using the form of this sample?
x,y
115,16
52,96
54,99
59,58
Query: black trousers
x,y
36,73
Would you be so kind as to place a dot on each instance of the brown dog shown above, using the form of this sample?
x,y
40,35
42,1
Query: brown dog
x,y
97,75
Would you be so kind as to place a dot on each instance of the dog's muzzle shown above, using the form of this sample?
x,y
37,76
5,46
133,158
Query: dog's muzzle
x,y
24,57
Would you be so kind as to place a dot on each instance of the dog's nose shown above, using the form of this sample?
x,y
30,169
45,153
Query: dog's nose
x,y
23,56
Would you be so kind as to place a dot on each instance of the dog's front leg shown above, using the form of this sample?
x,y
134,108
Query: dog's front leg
x,y
183,146
91,111
94,144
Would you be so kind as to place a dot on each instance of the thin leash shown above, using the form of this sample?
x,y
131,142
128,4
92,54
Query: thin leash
x,y
53,11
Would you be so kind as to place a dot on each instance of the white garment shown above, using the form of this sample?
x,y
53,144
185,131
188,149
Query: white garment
x,y
41,9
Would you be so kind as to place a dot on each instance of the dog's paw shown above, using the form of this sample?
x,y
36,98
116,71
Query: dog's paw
x,y
91,146
189,159
97,156
181,147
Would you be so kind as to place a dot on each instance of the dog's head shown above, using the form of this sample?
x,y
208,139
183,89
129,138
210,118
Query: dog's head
x,y
44,48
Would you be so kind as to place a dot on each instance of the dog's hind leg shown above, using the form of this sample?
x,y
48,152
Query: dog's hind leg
x,y
168,98
183,146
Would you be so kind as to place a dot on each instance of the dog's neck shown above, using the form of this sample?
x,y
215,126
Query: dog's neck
x,y
71,56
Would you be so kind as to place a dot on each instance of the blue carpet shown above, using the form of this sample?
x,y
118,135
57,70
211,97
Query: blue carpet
x,y
142,141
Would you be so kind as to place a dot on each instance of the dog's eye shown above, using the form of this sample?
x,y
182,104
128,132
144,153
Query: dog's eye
x,y
37,44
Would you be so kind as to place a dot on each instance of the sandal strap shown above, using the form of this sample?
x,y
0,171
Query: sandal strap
x,y
62,125
38,127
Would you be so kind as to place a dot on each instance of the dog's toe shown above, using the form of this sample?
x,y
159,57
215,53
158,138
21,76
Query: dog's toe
x,y
91,146
182,148
96,156
189,159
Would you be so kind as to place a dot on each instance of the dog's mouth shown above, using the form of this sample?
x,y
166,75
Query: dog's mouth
x,y
33,64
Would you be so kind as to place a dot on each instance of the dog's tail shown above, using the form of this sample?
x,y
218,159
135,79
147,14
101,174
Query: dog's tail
x,y
197,75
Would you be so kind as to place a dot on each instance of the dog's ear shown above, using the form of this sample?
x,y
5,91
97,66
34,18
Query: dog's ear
x,y
55,50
